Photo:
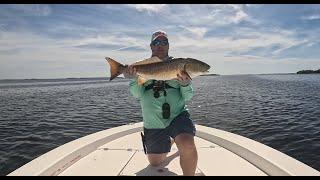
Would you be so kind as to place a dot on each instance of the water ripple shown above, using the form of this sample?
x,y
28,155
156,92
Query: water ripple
x,y
281,111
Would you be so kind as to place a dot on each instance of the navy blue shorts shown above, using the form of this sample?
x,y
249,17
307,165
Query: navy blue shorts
x,y
157,141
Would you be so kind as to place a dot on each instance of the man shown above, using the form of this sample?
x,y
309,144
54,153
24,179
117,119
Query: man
x,y
164,112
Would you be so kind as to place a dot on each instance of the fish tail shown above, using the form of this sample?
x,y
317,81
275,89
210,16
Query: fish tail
x,y
116,68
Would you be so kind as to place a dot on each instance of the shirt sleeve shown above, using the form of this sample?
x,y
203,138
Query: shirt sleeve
x,y
187,92
136,89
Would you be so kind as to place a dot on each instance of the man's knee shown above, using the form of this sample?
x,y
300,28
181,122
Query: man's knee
x,y
185,142
155,163
156,159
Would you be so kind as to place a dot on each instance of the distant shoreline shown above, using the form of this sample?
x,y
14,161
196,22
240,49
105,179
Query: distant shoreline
x,y
210,75
309,72
80,78
31,80
107,78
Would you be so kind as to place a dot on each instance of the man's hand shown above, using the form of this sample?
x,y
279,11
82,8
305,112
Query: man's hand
x,y
183,79
130,72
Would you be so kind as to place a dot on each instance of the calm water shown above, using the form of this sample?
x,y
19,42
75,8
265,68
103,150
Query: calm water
x,y
281,111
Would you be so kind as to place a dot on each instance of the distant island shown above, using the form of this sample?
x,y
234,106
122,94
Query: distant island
x,y
309,72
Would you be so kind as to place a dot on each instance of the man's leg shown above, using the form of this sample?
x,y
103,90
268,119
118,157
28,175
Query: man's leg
x,y
188,153
157,159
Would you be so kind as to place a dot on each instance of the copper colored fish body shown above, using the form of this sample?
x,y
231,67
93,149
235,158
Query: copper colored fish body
x,y
155,68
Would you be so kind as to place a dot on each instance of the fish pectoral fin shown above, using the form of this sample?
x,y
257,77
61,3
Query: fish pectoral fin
x,y
184,71
141,80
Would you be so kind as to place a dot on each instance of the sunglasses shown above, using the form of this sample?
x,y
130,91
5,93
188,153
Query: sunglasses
x,y
158,43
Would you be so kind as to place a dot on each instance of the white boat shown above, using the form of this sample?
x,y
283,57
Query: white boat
x,y
119,152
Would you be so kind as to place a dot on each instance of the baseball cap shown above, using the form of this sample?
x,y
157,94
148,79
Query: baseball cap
x,y
157,34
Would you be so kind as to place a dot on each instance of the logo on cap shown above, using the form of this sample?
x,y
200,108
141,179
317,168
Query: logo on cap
x,y
157,34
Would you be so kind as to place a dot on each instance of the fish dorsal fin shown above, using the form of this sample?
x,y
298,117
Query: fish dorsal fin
x,y
151,60
141,80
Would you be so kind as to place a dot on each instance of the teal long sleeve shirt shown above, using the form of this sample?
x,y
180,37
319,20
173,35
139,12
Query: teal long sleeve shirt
x,y
152,107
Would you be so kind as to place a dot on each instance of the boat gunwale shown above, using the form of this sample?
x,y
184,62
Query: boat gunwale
x,y
267,159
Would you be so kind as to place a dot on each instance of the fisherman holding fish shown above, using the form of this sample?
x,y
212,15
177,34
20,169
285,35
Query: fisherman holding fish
x,y
163,86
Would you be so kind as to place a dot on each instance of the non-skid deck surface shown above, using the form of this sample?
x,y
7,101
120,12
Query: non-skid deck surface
x,y
125,157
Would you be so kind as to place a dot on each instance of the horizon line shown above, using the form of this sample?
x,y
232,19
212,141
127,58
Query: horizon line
x,y
106,77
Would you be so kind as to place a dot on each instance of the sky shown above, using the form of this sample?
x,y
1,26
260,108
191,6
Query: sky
x,y
72,41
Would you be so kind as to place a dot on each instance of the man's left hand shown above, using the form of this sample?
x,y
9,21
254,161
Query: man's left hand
x,y
183,79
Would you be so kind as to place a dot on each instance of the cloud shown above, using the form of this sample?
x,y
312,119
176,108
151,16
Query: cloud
x,y
149,7
27,46
98,46
2,26
253,5
131,48
247,64
199,32
29,55
232,38
196,15
226,14
271,42
33,9
116,7
19,40
312,17
240,15
114,41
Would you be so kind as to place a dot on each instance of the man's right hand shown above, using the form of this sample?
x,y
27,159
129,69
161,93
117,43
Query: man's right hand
x,y
130,72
